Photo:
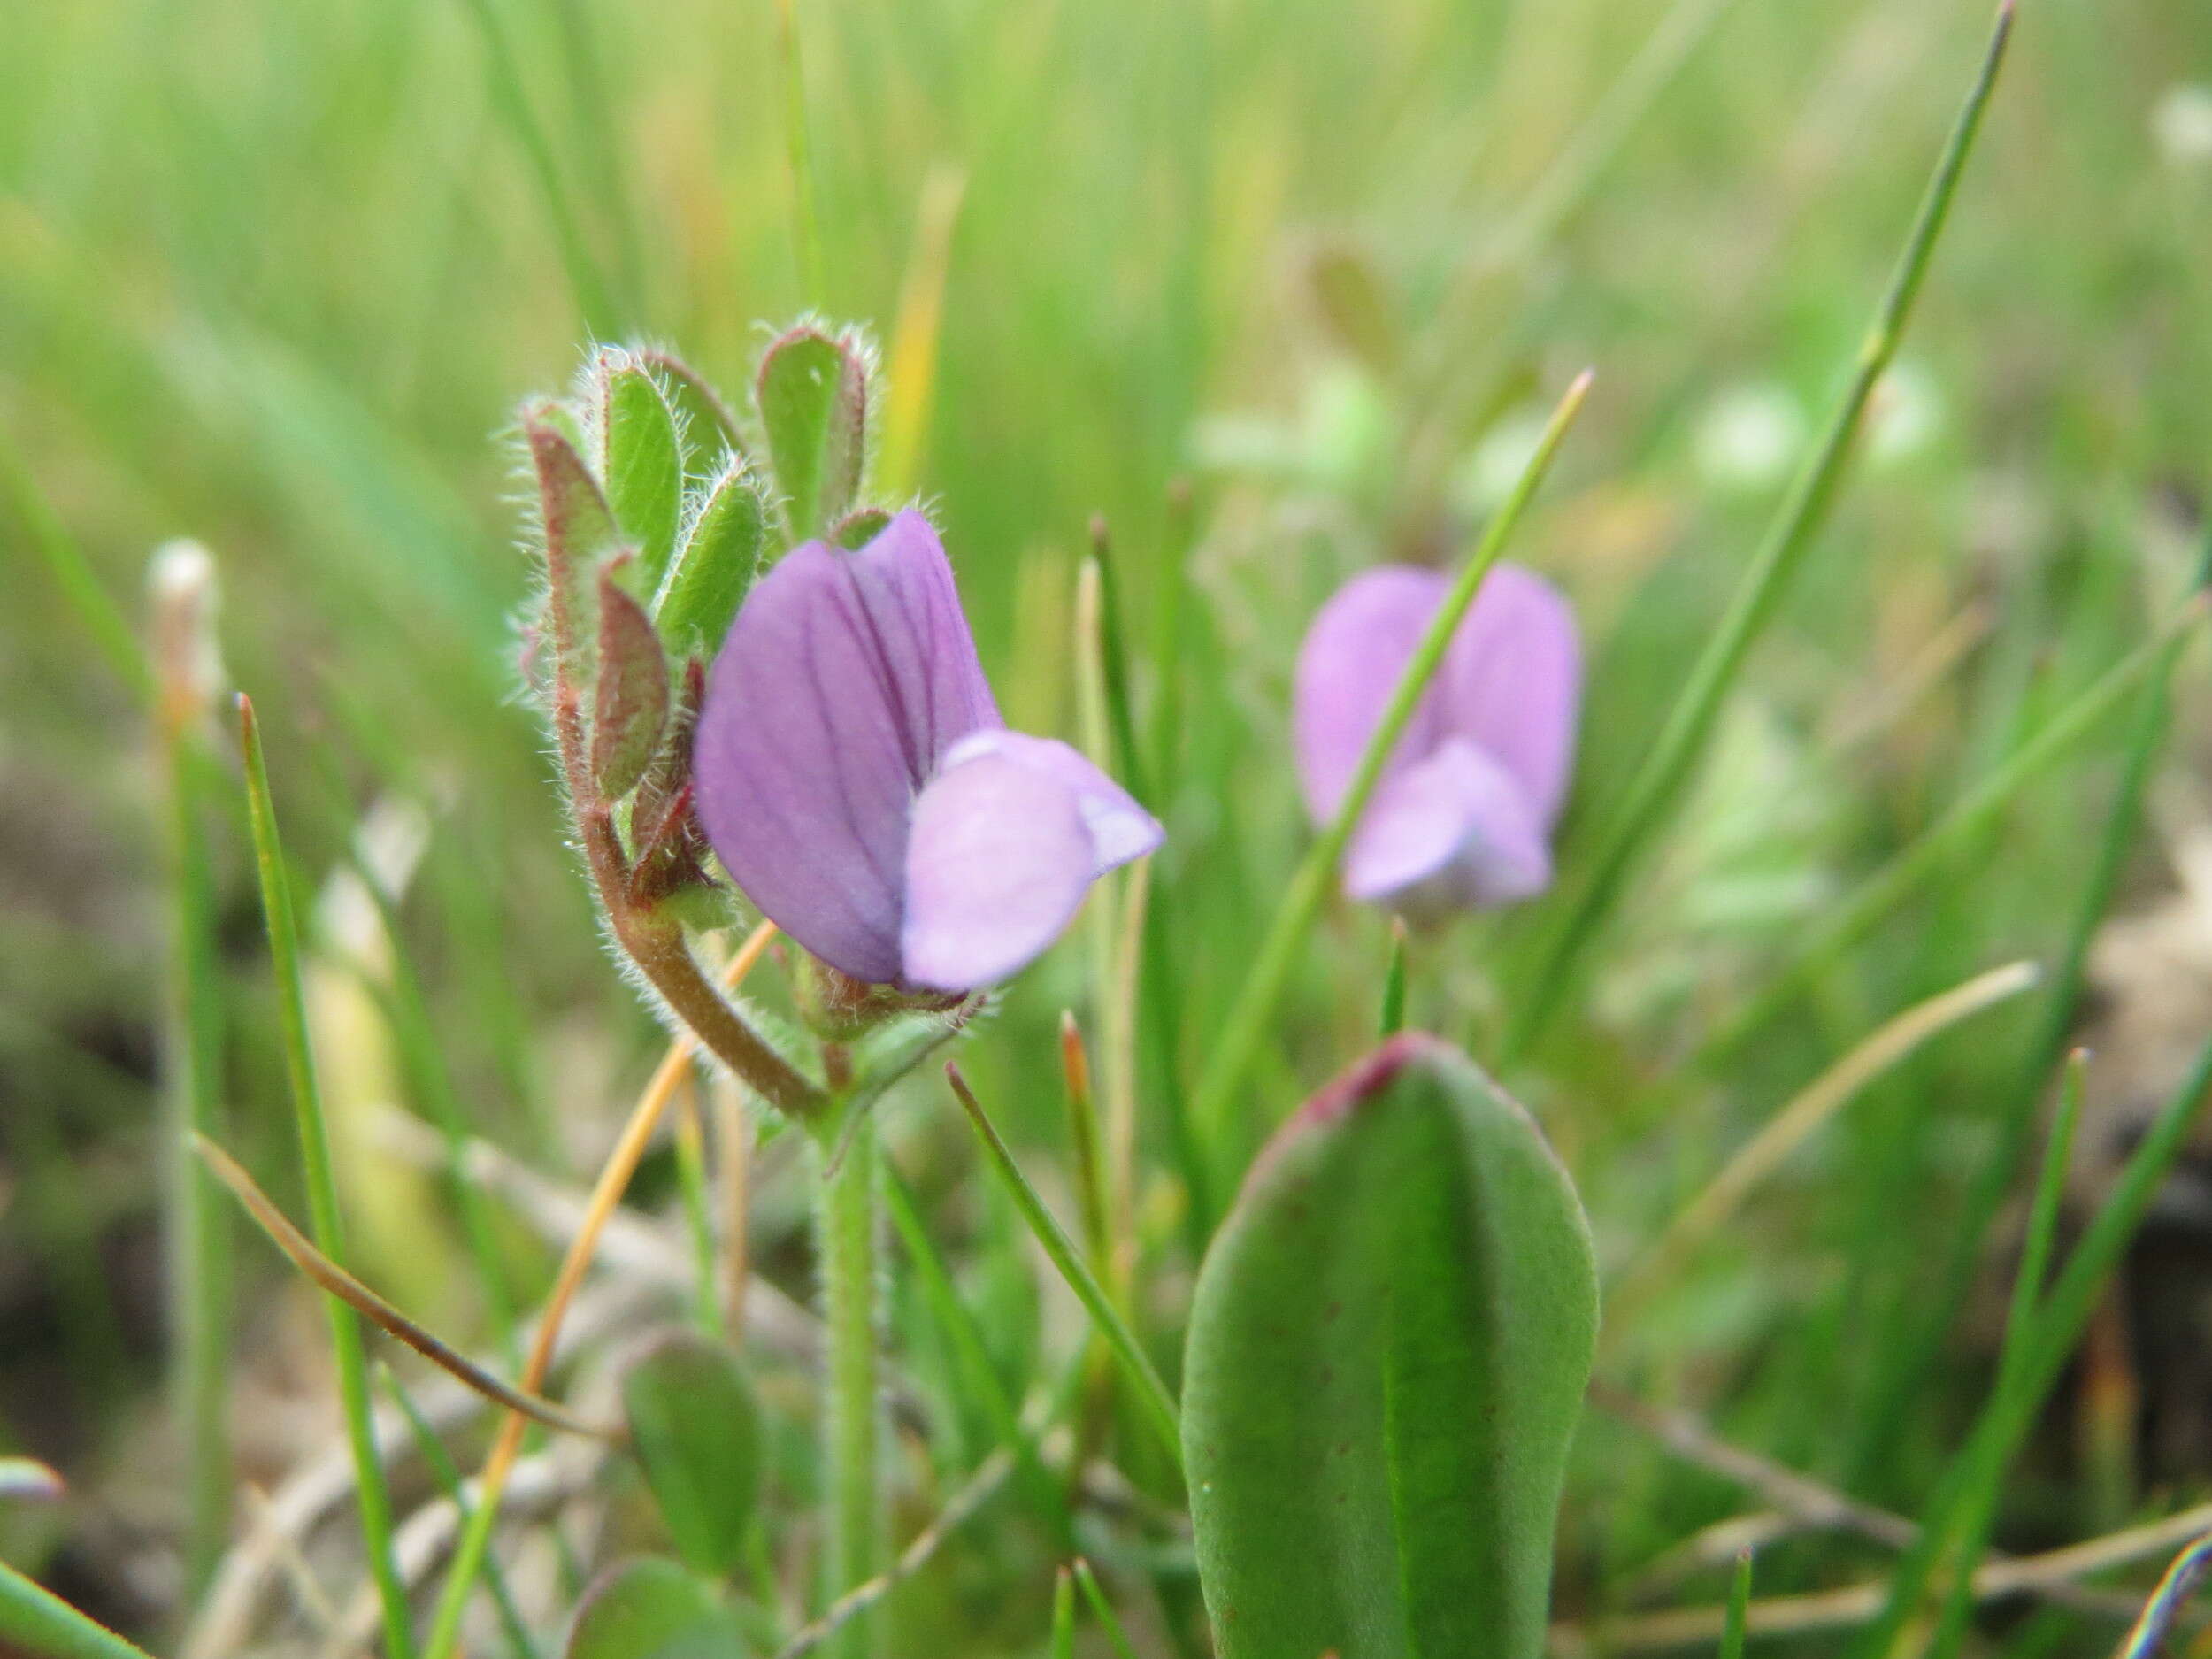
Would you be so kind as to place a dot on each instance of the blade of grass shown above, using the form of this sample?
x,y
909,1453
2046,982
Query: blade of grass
x,y
1798,1119
448,1475
807,238
356,1295
181,584
2045,1348
986,1387
691,1179
44,1626
1971,1529
601,319
1102,1609
1063,1644
1993,1174
327,1223
1152,1394
1393,997
1739,1608
1249,1016
1844,924
111,632
1659,782
910,375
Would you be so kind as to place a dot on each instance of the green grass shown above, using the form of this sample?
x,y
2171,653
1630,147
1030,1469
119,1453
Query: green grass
x,y
1271,287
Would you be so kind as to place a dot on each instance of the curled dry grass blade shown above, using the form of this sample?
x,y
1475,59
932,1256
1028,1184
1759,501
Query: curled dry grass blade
x,y
349,1290
1659,782
373,1495
1799,1120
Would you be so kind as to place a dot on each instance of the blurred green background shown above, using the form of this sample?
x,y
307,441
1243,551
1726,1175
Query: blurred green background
x,y
274,277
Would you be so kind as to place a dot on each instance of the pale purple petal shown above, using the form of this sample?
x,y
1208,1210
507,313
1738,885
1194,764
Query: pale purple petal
x,y
1000,861
1451,830
1350,663
1512,683
1119,828
845,680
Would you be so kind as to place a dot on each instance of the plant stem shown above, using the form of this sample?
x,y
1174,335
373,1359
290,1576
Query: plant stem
x,y
327,1223
1659,782
847,1245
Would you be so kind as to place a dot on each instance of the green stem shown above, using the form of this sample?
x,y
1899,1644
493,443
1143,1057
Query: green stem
x,y
1658,784
855,1516
1254,1010
326,1224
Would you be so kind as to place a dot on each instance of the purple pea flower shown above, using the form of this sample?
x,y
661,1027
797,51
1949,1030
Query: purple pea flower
x,y
855,780
1463,812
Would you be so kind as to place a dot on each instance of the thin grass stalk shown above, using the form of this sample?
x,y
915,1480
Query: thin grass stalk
x,y
1062,1645
910,372
1800,1119
602,321
602,144
972,1355
1252,1014
1658,783
198,1241
1994,1174
448,1475
102,619
1152,1392
325,1222
614,1178
2047,1345
1738,1609
2041,1239
1104,1610
807,237
1844,924
1393,992
692,1183
46,1627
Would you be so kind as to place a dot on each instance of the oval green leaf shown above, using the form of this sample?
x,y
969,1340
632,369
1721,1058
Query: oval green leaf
x,y
696,1428
1386,1358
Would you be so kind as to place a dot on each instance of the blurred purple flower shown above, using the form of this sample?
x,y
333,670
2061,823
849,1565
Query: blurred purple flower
x,y
1464,813
856,780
